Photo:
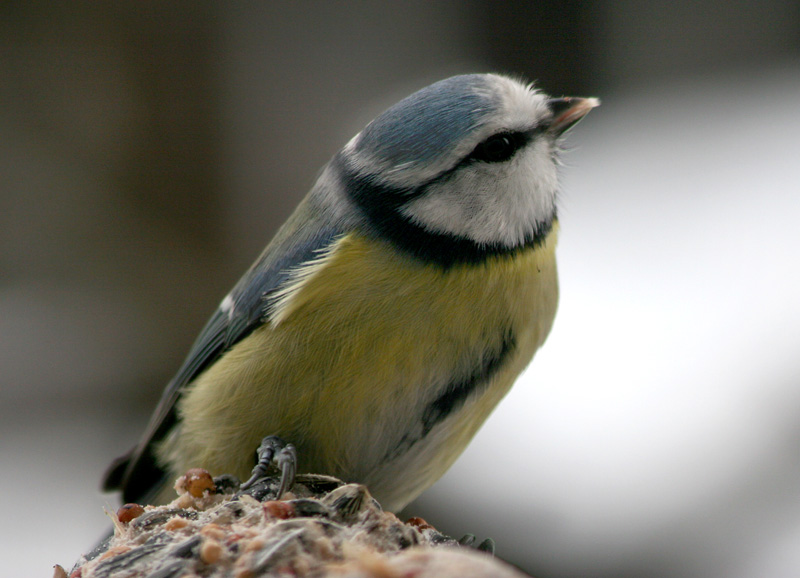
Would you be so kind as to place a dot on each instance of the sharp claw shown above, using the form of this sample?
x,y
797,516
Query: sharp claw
x,y
257,474
287,463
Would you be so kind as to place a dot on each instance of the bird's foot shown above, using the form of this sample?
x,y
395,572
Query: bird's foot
x,y
273,450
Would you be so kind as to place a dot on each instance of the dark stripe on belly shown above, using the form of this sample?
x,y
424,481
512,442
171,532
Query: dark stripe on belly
x,y
455,395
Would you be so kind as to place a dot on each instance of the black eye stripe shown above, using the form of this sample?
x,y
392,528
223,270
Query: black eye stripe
x,y
499,147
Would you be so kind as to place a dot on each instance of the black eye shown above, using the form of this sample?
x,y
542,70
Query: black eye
x,y
498,147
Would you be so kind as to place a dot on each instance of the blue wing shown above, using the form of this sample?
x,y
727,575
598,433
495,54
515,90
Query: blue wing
x,y
301,239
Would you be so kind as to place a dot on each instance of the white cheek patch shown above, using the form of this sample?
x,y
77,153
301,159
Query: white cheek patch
x,y
491,203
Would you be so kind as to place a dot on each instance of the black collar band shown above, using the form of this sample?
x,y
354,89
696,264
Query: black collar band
x,y
381,205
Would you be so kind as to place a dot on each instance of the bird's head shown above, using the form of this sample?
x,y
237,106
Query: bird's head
x,y
467,165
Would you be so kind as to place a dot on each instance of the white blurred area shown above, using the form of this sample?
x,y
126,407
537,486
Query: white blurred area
x,y
657,433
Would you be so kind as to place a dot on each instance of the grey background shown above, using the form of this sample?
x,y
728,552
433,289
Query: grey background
x,y
148,152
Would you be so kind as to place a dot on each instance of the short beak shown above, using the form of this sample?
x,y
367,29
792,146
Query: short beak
x,y
569,110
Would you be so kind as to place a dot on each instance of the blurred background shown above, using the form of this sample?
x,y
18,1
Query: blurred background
x,y
148,151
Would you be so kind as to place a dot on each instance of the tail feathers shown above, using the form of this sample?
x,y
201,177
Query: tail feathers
x,y
136,474
115,473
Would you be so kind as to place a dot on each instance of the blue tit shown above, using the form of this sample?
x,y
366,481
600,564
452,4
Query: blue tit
x,y
391,312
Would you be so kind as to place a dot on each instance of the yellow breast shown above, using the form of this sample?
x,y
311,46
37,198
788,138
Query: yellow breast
x,y
362,344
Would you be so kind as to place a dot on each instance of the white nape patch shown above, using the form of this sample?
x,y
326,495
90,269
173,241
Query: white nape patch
x,y
491,203
352,143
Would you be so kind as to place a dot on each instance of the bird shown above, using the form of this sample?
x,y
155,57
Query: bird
x,y
391,312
